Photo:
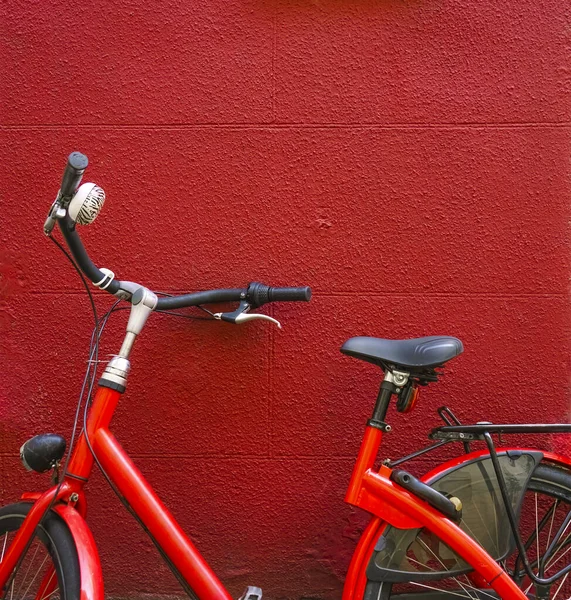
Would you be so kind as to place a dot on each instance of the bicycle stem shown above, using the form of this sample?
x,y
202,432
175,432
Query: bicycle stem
x,y
143,302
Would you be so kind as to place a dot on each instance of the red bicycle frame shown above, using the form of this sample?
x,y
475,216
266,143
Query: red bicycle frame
x,y
368,489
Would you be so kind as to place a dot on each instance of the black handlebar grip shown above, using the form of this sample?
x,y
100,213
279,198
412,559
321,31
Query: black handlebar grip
x,y
76,165
259,294
290,294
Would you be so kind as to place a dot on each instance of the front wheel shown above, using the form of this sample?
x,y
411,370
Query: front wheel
x,y
49,570
418,566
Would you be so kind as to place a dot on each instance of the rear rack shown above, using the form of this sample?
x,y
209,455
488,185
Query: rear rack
x,y
476,432
454,431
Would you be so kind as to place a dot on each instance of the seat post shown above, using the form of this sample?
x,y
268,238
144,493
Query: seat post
x,y
392,384
384,396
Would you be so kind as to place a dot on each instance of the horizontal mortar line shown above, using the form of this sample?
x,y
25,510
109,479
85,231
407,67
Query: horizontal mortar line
x,y
337,294
257,458
442,294
227,457
277,126
251,457
254,457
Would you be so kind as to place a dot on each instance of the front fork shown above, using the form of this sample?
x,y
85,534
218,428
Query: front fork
x,y
27,530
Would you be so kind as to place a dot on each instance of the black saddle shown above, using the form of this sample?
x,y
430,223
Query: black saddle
x,y
414,355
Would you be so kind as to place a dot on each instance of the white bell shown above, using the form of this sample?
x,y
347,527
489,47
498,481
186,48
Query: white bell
x,y
86,203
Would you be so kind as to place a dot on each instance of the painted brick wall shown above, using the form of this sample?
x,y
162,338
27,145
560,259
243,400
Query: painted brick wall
x,y
407,159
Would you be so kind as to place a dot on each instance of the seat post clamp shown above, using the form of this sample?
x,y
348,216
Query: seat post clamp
x,y
379,425
398,378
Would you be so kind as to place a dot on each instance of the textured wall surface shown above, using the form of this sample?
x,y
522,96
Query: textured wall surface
x,y
408,159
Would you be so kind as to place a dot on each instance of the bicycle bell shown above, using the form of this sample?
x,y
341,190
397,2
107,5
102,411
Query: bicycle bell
x,y
86,203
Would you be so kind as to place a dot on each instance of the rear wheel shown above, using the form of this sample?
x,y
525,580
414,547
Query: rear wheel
x,y
49,570
545,529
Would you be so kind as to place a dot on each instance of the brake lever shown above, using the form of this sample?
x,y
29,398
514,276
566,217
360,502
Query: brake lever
x,y
241,315
56,212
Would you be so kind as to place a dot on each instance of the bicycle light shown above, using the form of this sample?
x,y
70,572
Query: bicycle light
x,y
42,452
86,203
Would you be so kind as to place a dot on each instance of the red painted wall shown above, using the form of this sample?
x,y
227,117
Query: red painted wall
x,y
407,159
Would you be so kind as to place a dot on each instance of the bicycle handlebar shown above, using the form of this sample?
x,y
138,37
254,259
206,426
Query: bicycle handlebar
x,y
81,257
256,294
252,294
196,298
76,165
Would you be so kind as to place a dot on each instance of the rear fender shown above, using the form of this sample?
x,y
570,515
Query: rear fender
x,y
89,565
557,459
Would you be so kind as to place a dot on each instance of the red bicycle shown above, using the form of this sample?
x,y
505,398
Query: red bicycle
x,y
492,523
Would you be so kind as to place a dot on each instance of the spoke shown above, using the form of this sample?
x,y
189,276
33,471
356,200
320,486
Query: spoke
x,y
560,545
475,505
445,568
430,587
47,585
420,541
409,558
12,589
555,561
27,571
528,588
4,546
537,529
463,522
477,590
37,573
561,585
44,597
466,584
542,523
565,530
554,508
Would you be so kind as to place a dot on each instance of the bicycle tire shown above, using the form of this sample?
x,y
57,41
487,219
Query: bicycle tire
x,y
552,482
55,541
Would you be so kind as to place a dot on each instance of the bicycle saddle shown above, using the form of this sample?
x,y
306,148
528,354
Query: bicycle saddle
x,y
417,353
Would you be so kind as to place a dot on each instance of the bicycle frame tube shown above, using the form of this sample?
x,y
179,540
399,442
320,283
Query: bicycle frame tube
x,y
140,496
156,518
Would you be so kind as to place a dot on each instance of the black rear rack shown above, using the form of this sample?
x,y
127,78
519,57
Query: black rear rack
x,y
476,432
455,431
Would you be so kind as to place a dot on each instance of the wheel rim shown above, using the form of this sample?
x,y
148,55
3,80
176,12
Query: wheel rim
x,y
35,577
